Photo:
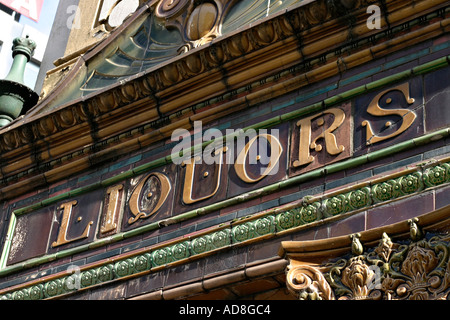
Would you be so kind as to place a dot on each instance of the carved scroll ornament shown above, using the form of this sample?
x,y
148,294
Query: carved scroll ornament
x,y
416,269
308,283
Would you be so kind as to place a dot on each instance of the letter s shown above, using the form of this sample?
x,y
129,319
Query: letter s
x,y
374,109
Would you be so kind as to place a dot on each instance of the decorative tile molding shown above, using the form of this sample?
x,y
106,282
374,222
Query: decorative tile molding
x,y
307,213
416,269
271,223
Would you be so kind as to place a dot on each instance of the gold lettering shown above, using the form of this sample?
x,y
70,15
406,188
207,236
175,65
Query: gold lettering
x,y
275,155
112,210
62,235
134,199
374,109
305,143
189,177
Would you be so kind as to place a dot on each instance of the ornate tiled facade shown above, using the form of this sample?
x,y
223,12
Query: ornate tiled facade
x,y
347,121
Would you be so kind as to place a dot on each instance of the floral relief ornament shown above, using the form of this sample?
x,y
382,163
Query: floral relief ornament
x,y
416,269
198,23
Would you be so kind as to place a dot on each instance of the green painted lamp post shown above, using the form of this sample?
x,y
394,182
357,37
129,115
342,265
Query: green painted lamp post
x,y
15,97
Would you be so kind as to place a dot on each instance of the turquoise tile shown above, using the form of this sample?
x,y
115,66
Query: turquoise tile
x,y
93,175
359,76
406,59
315,93
125,163
441,46
283,105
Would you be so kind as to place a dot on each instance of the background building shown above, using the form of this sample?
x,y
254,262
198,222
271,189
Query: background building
x,y
14,24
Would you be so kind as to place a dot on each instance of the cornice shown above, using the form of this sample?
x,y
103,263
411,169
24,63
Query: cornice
x,y
240,70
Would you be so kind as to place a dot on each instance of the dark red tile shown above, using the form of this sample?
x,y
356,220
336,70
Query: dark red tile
x,y
347,226
437,98
145,284
186,272
31,235
442,197
266,249
312,233
400,210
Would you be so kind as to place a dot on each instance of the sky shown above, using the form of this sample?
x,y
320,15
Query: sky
x,y
46,19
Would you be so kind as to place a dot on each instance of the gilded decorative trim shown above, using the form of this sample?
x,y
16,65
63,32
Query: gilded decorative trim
x,y
416,269
274,222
